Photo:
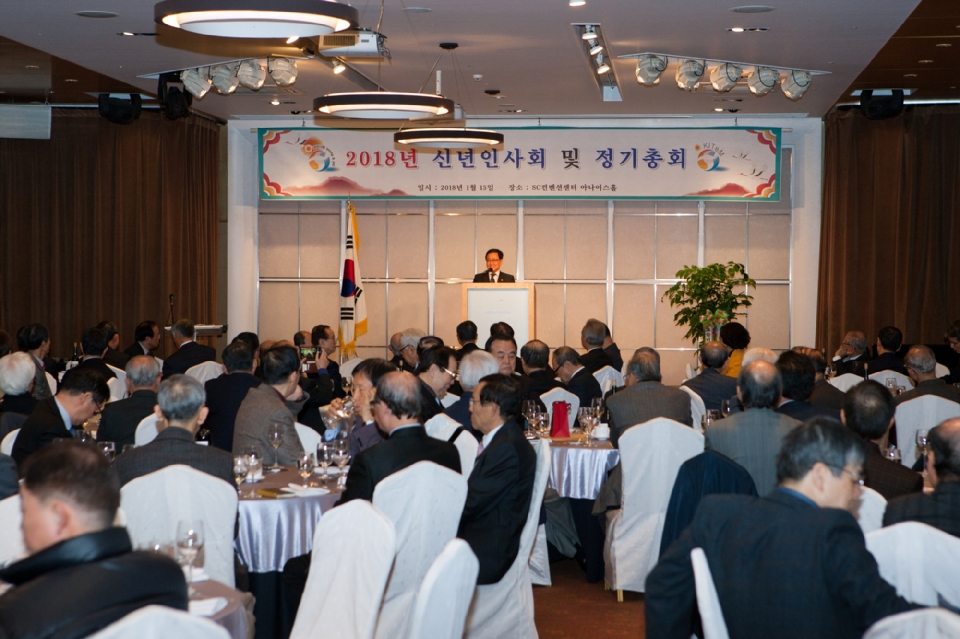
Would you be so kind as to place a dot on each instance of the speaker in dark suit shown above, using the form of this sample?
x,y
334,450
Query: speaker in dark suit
x,y
494,258
174,445
119,421
190,354
494,278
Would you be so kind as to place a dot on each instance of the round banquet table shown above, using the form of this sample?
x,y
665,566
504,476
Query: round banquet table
x,y
237,616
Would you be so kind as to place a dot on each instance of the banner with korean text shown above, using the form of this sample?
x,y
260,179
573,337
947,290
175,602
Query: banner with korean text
x,y
535,163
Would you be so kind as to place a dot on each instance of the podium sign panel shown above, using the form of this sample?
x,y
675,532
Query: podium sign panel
x,y
486,304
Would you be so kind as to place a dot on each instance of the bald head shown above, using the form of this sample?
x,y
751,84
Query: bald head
x,y
759,385
399,393
921,362
714,354
759,354
944,441
644,366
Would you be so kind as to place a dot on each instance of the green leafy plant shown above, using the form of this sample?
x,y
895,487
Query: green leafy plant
x,y
708,293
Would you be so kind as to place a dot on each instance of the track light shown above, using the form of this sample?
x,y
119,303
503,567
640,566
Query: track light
x,y
795,84
339,67
224,77
589,33
196,81
597,49
602,67
649,68
282,70
762,80
252,74
688,74
724,76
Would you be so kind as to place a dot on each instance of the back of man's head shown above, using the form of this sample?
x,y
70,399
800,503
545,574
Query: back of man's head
x,y
248,338
238,357
759,354
816,358
645,365
373,369
301,337
502,329
476,365
735,335
466,332
400,393
78,381
593,333
184,329
921,360
760,385
890,338
428,341
180,398
944,441
438,356
868,409
566,354
17,370
535,354
109,328
142,371
32,336
94,342
278,362
144,330
714,354
856,340
411,337
820,439
504,391
797,374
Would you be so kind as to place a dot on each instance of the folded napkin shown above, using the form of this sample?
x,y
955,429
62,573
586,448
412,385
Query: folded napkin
x,y
332,471
301,491
199,574
207,607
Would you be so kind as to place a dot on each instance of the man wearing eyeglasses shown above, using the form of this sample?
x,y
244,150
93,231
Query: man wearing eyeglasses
x,y
438,371
492,275
852,354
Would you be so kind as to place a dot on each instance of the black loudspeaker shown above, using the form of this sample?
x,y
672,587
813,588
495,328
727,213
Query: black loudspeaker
x,y
174,101
881,107
119,111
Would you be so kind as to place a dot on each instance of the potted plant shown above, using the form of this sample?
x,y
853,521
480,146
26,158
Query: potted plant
x,y
707,299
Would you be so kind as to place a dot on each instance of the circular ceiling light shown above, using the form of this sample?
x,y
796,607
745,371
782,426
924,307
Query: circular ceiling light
x,y
688,74
762,80
649,68
383,105
438,138
250,19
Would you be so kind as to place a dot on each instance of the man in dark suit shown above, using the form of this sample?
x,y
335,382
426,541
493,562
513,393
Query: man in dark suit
x,y
82,394
798,377
824,393
34,339
17,378
711,384
611,349
146,339
889,340
467,338
921,365
494,259
325,338
813,553
189,353
852,354
940,509
117,359
501,485
120,419
868,411
591,338
575,377
438,371
94,345
473,367
535,359
226,393
180,403
9,480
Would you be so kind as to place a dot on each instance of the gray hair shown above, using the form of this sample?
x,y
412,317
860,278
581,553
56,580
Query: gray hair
x,y
411,337
593,332
759,354
714,354
645,365
181,397
760,385
820,439
400,392
142,370
856,339
184,328
475,366
565,354
921,360
17,370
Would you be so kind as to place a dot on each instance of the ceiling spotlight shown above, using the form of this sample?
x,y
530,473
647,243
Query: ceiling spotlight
x,y
383,105
649,68
577,3
249,19
762,80
283,71
224,77
339,67
252,74
275,102
689,73
724,76
597,49
795,84
718,109
736,29
443,138
292,39
589,32
196,81
602,67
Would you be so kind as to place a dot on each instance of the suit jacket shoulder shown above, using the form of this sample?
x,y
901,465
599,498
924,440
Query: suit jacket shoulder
x,y
42,426
941,509
889,478
261,407
119,420
174,446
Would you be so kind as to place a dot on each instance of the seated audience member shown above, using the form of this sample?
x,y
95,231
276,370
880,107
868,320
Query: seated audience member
x,y
591,339
921,365
611,349
889,340
113,357
93,342
816,577
824,393
467,338
120,419
429,341
711,384
952,336
940,509
180,403
251,340
535,360
264,407
852,354
575,377
226,392
303,339
504,349
189,352
473,367
325,338
82,573
317,389
82,394
501,485
9,481
395,348
868,411
753,437
409,341
735,337
798,377
6,344
17,378
438,370
146,339
366,376
34,339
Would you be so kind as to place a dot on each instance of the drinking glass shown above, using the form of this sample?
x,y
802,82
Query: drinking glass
x,y
275,437
240,470
189,543
254,463
893,454
891,383
922,447
583,414
726,407
83,436
347,383
305,467
901,390
324,458
109,450
597,405
341,457
830,371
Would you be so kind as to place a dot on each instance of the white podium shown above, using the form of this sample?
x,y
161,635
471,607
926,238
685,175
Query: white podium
x,y
513,303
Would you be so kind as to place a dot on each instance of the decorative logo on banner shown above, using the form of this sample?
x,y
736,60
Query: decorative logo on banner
x,y
535,163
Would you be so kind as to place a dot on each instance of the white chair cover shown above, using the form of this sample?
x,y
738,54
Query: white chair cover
x,y
424,501
206,371
118,389
941,370
119,372
309,438
651,454
161,622
345,587
467,445
561,395
155,503
11,536
918,560
444,597
870,511
697,408
449,400
346,369
52,382
540,559
441,426
691,371
930,623
925,411
708,602
902,380
504,610
609,377
146,430
846,381
6,445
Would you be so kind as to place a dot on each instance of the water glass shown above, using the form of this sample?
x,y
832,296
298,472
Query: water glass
x,y
597,405
254,463
891,383
109,450
189,544
922,447
341,457
584,413
240,470
275,437
305,466
726,407
324,458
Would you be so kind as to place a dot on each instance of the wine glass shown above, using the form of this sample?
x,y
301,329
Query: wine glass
x,y
891,383
109,450
596,404
893,454
254,465
922,447
275,437
240,470
305,467
341,457
324,458
189,543
347,383
726,407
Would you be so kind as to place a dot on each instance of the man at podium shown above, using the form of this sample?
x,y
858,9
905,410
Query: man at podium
x,y
493,274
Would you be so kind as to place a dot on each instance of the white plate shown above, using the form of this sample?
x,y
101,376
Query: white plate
x,y
332,471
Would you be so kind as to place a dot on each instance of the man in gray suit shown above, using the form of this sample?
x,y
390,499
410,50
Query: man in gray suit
x,y
752,438
180,403
643,398
34,339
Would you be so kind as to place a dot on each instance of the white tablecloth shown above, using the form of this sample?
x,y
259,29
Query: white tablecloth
x,y
578,471
237,616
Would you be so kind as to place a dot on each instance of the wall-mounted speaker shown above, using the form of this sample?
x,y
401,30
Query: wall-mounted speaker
x,y
881,107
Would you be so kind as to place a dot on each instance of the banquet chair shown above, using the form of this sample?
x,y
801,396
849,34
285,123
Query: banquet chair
x,y
344,588
930,623
561,395
902,380
846,381
6,444
205,371
608,377
708,602
441,426
504,610
444,596
424,502
925,411
449,400
346,369
11,537
309,438
920,561
540,559
941,370
52,382
118,389
161,622
10,422
651,454
155,503
146,430
697,408
467,445
870,510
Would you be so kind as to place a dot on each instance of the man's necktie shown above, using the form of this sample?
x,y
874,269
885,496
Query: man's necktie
x,y
479,449
492,277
